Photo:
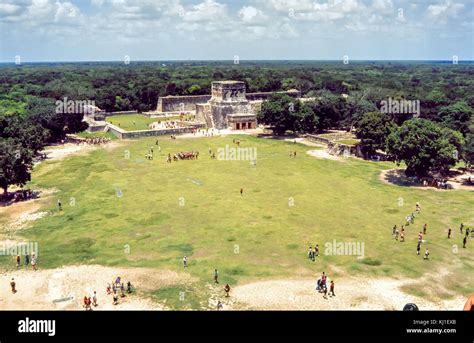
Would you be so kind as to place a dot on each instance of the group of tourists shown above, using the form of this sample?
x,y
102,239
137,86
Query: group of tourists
x,y
28,261
183,155
118,286
466,233
149,154
88,303
24,194
93,141
410,219
399,235
440,183
206,133
165,124
33,261
321,286
313,253
212,154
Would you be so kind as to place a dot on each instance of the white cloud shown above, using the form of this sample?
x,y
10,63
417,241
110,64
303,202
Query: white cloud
x,y
207,11
445,11
250,14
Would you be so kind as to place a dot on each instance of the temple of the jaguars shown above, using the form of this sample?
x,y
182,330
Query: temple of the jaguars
x,y
227,107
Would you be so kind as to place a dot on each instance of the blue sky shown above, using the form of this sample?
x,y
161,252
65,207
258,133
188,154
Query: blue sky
x,y
104,30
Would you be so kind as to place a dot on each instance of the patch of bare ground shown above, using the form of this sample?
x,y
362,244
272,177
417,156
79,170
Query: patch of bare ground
x,y
397,177
64,288
351,294
323,154
59,152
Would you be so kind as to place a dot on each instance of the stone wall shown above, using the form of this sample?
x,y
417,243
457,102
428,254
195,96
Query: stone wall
x,y
318,139
266,95
203,114
122,134
255,105
180,103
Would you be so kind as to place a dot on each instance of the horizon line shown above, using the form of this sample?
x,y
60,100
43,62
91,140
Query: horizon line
x,y
240,60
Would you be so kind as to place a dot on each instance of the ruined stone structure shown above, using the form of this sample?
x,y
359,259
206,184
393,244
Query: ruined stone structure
x,y
228,107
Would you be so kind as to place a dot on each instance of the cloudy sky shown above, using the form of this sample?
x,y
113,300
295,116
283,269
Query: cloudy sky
x,y
98,30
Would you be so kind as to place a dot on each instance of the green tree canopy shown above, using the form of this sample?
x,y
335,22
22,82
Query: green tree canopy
x,y
373,129
15,164
424,147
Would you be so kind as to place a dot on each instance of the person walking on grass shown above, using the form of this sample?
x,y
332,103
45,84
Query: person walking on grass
x,y
427,254
60,206
418,248
216,276
185,262
394,228
449,233
18,260
418,207
424,229
27,259
467,232
316,250
464,241
461,227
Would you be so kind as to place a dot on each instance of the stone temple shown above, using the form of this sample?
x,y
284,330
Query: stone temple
x,y
228,106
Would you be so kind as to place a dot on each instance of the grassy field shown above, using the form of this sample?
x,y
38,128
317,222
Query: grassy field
x,y
137,212
131,122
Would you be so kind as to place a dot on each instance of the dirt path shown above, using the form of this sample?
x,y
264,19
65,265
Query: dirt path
x,y
351,294
323,154
397,177
60,152
64,288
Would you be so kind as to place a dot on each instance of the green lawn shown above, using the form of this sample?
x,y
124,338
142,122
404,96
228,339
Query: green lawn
x,y
136,203
131,122
86,134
